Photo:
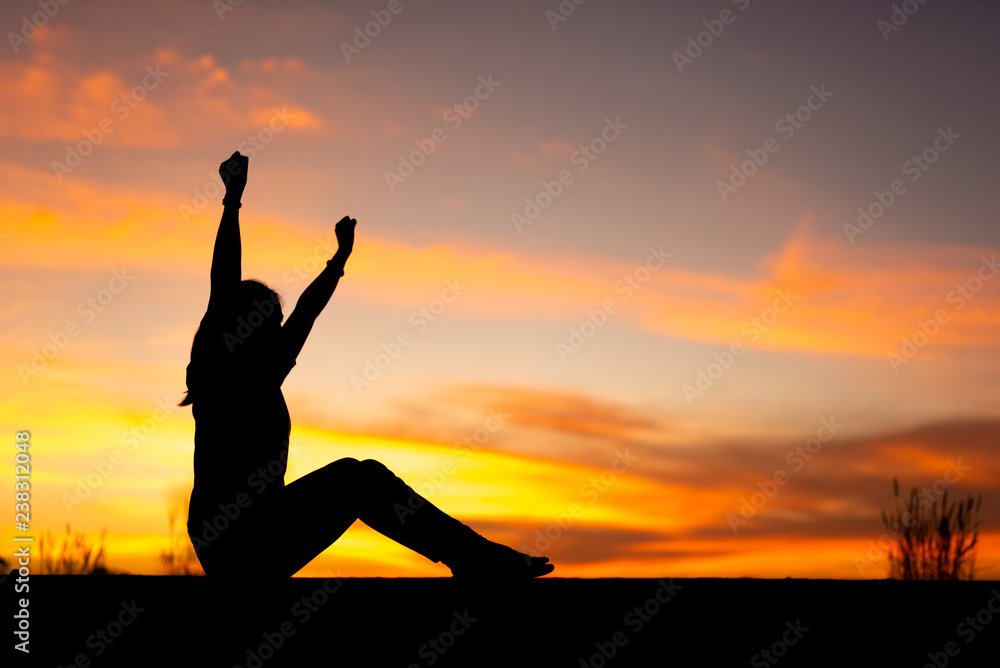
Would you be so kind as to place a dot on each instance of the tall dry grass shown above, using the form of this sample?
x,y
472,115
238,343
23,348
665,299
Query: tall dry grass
x,y
76,556
179,557
932,540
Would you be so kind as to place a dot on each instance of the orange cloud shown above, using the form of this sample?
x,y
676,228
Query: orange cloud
x,y
166,102
813,295
840,299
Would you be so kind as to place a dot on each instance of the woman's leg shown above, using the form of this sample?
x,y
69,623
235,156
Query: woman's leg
x,y
315,510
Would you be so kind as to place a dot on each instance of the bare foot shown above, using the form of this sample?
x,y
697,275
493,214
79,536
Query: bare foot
x,y
495,561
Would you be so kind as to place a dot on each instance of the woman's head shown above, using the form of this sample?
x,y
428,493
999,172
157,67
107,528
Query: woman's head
x,y
255,297
247,344
258,319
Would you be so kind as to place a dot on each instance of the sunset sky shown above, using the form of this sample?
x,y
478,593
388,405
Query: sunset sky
x,y
644,276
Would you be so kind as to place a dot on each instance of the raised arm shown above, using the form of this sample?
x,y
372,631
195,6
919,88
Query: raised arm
x,y
226,258
314,298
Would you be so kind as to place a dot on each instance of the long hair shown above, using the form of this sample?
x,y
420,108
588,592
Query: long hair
x,y
250,326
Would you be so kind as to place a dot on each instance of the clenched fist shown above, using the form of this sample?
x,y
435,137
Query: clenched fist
x,y
234,174
345,235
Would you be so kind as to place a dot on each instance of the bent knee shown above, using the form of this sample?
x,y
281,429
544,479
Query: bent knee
x,y
365,472
371,468
373,476
346,462
341,471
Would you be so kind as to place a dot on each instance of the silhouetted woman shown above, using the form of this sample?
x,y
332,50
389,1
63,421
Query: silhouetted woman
x,y
243,519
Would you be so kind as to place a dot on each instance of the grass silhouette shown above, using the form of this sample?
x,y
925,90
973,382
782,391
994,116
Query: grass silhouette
x,y
75,557
932,539
179,558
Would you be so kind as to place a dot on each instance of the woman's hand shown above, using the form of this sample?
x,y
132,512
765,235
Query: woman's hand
x,y
345,236
234,174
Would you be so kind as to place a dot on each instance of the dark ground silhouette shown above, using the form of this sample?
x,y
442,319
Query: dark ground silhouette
x,y
240,506
121,620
